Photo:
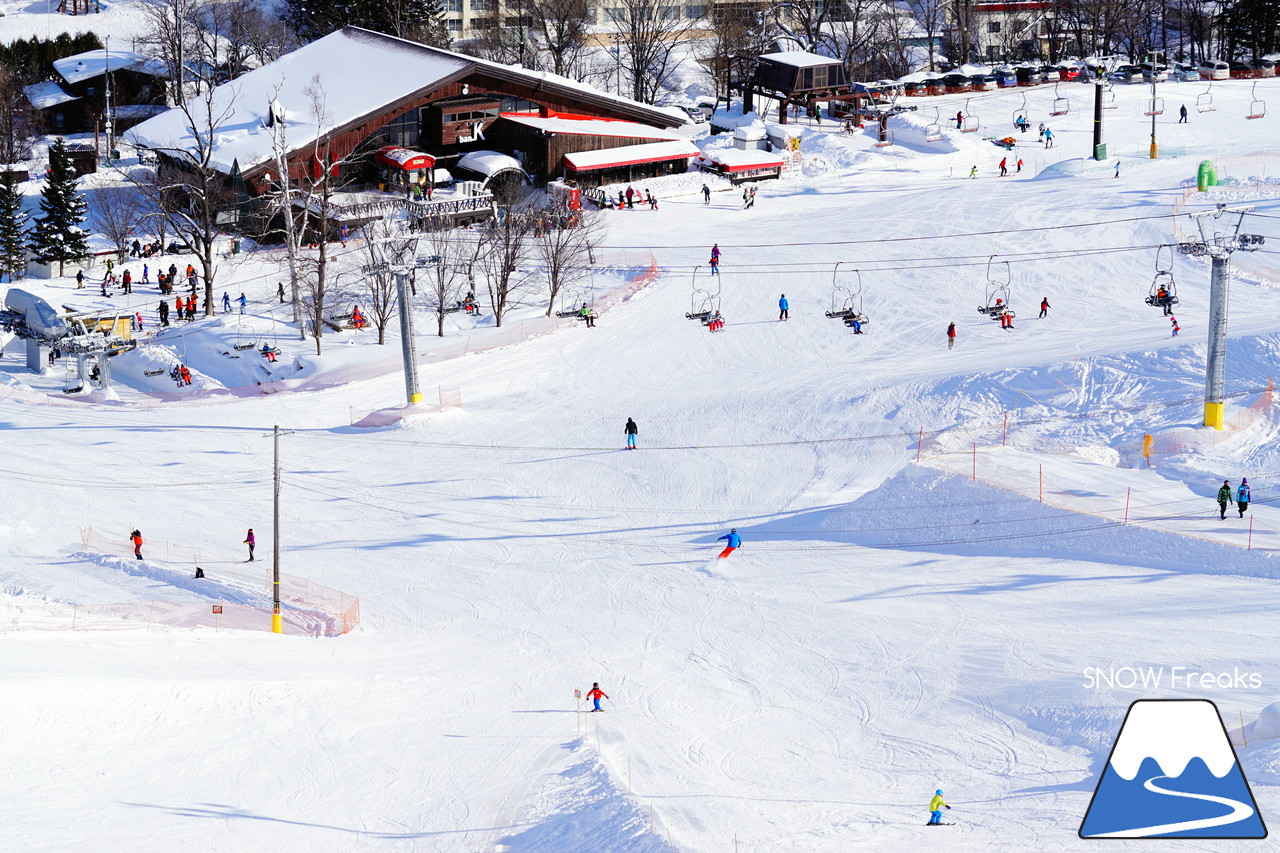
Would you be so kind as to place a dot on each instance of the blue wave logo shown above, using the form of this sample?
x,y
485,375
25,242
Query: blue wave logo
x,y
1172,773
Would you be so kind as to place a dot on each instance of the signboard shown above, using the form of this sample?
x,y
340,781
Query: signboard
x,y
217,608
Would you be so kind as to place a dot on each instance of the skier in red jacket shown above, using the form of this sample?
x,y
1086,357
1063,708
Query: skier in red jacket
x,y
595,694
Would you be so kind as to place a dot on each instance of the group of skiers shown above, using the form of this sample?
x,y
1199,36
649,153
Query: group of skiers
x,y
628,198
135,538
1241,498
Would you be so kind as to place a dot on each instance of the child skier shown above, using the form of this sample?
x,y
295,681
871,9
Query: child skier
x,y
1224,498
973,173
1242,496
595,694
1176,327
250,541
632,431
734,542
1044,307
936,805
136,538
784,312
951,336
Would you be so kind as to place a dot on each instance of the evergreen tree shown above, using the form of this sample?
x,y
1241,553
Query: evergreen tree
x,y
58,234
13,222
419,20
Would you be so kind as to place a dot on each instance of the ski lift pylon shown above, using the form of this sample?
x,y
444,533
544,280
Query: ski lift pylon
x,y
1061,106
1257,106
1204,101
970,120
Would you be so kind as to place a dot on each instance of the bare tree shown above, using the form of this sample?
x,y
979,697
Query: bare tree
x,y
18,120
562,26
384,245
502,250
565,253
116,211
651,37
236,36
187,188
802,21
173,34
738,32
932,17
452,256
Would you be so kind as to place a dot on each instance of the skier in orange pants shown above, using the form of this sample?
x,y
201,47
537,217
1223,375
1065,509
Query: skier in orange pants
x,y
735,542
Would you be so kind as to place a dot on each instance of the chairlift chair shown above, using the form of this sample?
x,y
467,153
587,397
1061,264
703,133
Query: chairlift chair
x,y
933,130
846,300
571,307
1257,107
1155,107
970,122
887,140
703,303
1204,101
997,291
1020,114
1164,291
1061,106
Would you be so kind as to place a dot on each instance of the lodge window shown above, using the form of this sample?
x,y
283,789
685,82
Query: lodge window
x,y
993,27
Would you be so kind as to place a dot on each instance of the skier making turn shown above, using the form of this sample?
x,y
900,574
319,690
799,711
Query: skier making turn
x,y
936,805
734,542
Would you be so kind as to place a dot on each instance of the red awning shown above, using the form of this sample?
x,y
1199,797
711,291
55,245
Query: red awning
x,y
403,158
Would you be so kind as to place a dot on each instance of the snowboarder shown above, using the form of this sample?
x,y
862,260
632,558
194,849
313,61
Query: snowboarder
x,y
243,302
706,195
1048,138
631,198
136,538
1224,498
784,312
1041,137
164,313
1182,114
250,541
734,542
951,336
595,694
1242,496
1019,164
973,173
280,291
746,198
135,249
226,302
79,279
632,431
1004,166
936,805
1044,307
751,199
1117,168
586,314
1176,327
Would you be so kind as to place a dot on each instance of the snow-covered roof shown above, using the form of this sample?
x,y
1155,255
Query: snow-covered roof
x,y
360,73
735,159
132,111
750,132
488,163
95,63
47,94
590,127
629,155
799,59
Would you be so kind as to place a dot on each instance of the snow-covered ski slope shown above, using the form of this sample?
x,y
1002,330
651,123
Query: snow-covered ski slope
x,y
887,629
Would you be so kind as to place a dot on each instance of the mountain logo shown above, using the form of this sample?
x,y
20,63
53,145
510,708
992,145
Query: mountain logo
x,y
1172,773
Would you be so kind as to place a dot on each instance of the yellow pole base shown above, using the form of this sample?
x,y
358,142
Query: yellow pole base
x,y
416,398
277,623
1155,151
1214,414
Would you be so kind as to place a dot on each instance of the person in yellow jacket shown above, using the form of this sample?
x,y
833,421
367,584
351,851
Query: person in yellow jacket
x,y
936,805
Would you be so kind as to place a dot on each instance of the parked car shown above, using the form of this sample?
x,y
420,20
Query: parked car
x,y
979,82
1184,73
1126,74
1153,73
1264,67
1069,72
935,86
1028,76
706,108
695,115
955,83
1214,69
1006,77
915,87
1052,73
1241,71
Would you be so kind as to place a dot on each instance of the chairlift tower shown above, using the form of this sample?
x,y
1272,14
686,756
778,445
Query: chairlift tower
x,y
1218,243
408,346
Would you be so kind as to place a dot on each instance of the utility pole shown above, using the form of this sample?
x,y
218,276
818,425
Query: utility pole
x,y
277,619
1218,245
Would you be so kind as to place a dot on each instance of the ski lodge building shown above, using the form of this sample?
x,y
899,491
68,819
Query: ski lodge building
x,y
398,118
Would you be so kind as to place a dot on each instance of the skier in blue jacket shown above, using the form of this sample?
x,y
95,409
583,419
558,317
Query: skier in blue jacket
x,y
1242,496
783,306
735,542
